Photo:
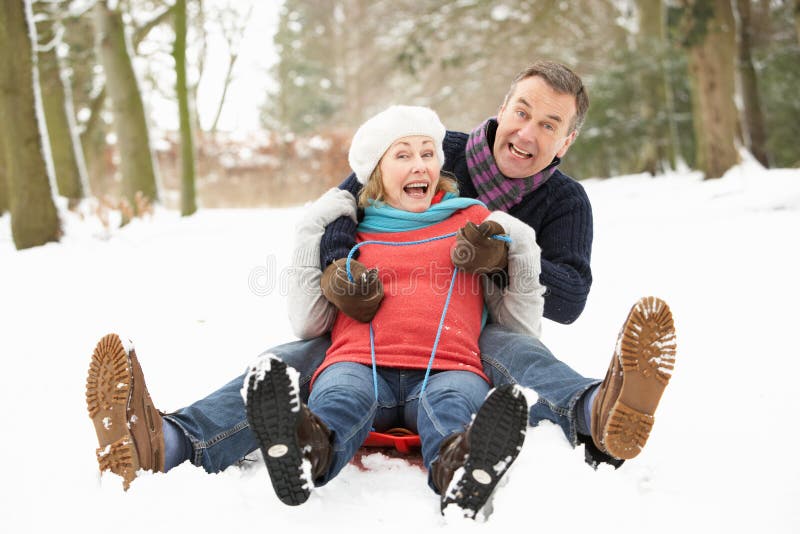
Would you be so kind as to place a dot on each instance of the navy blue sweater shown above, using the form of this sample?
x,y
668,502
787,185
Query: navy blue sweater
x,y
559,211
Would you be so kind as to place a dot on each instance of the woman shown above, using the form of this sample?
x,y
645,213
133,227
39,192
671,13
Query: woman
x,y
376,375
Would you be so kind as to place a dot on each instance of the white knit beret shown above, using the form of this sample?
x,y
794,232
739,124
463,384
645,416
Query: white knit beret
x,y
375,136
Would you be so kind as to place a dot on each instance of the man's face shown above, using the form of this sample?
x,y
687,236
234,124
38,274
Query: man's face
x,y
532,128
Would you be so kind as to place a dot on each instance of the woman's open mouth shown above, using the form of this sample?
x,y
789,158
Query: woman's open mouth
x,y
416,189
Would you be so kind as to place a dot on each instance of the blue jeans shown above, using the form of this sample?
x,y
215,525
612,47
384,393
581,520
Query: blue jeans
x,y
344,398
220,436
510,358
216,425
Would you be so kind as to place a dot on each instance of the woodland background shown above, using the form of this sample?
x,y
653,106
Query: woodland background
x,y
673,84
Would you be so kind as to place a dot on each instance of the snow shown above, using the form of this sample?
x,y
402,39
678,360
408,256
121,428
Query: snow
x,y
721,457
260,368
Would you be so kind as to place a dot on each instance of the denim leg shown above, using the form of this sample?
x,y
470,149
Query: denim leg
x,y
305,357
391,387
344,399
217,425
450,400
511,358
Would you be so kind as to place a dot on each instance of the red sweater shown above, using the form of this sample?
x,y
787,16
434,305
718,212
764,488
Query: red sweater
x,y
416,279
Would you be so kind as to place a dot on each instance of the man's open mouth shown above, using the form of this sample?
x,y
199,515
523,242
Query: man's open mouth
x,y
519,153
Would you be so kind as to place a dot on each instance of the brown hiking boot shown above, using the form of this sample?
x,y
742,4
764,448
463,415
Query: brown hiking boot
x,y
128,426
452,454
622,413
295,443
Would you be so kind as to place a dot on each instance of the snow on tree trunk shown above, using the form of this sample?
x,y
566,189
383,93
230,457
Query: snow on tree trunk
x,y
68,163
34,218
137,164
752,114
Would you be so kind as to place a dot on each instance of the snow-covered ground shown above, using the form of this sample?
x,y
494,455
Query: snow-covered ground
x,y
202,296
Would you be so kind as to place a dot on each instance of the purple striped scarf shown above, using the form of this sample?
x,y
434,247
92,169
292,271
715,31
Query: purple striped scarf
x,y
494,189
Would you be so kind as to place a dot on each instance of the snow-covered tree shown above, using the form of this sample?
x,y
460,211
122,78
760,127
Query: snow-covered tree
x,y
755,135
34,219
137,164
68,162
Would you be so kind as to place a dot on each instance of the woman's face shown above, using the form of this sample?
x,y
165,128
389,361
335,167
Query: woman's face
x,y
410,173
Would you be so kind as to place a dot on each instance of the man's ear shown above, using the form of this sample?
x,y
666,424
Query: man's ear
x,y
500,110
567,142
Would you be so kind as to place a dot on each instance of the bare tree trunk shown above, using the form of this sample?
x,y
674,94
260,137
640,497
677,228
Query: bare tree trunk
x,y
233,25
712,53
232,32
34,219
753,117
93,138
226,84
3,181
68,162
202,36
797,18
188,195
657,151
133,138
355,47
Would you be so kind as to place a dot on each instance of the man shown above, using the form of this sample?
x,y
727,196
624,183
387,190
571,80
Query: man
x,y
510,163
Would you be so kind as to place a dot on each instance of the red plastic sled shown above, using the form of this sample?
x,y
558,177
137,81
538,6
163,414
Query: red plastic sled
x,y
401,439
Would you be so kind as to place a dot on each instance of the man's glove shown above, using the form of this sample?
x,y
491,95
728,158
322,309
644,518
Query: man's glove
x,y
333,204
359,299
476,252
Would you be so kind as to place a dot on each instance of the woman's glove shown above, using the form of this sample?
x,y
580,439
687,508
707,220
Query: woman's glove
x,y
475,251
359,299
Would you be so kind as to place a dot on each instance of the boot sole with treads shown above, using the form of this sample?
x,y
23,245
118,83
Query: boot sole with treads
x,y
273,411
495,439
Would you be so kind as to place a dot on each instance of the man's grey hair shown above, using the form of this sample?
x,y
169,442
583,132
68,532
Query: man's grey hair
x,y
562,80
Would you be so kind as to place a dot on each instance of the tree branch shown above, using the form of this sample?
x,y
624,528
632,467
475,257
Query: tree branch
x,y
141,32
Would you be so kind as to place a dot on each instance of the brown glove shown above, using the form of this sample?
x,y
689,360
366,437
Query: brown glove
x,y
359,299
476,252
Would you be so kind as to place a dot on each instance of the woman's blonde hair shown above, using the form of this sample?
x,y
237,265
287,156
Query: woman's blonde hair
x,y
374,191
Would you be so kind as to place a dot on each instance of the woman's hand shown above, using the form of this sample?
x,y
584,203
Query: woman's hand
x,y
359,299
476,251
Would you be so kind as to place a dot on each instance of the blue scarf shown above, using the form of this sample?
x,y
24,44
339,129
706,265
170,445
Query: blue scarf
x,y
380,217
